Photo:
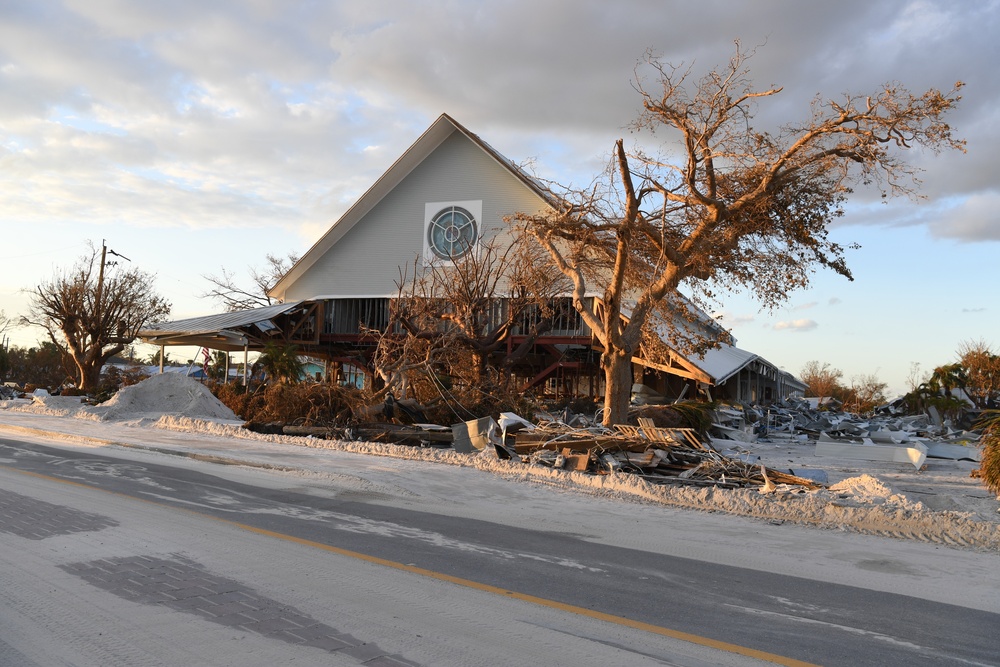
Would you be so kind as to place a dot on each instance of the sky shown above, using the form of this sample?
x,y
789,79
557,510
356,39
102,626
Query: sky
x,y
192,136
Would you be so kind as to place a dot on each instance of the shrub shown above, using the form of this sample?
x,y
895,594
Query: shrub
x,y
307,404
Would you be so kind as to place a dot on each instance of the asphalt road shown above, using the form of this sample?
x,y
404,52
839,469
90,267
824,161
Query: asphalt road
x,y
627,606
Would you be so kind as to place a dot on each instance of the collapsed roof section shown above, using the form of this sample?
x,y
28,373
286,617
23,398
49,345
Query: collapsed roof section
x,y
717,365
240,330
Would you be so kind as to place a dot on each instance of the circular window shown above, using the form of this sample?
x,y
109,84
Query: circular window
x,y
452,233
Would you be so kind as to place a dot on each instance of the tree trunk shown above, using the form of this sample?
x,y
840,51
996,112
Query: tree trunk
x,y
90,378
478,364
617,366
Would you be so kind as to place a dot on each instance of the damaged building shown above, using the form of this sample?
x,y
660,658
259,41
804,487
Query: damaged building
x,y
448,194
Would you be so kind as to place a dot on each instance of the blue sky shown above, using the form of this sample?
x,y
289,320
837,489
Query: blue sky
x,y
199,135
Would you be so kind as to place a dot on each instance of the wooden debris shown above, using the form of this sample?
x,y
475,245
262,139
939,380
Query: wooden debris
x,y
578,462
656,454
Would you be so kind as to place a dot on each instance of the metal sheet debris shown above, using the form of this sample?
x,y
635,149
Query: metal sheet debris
x,y
915,454
473,435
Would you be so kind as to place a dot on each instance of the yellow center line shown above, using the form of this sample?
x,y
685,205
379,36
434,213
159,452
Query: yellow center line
x,y
467,583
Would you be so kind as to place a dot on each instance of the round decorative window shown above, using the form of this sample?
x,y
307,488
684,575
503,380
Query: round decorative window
x,y
452,233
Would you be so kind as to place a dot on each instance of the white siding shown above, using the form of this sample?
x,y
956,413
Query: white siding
x,y
366,261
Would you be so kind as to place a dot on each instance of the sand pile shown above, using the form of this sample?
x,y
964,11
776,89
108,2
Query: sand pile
x,y
56,406
163,394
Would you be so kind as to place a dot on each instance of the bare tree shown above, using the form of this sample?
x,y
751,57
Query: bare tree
x,y
915,377
867,392
733,208
234,296
94,314
457,317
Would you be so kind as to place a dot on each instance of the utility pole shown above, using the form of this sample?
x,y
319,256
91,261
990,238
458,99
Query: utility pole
x,y
100,283
100,278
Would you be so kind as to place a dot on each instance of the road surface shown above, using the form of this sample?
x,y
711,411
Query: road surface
x,y
134,559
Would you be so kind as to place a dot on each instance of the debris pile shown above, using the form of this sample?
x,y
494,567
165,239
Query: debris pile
x,y
657,455
884,436
718,453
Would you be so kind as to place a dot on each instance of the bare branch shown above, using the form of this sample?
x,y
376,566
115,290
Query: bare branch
x,y
724,206
234,296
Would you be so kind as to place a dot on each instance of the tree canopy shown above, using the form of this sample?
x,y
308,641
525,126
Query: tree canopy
x,y
722,204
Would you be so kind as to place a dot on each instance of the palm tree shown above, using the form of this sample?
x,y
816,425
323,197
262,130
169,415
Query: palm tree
x,y
281,363
948,377
989,466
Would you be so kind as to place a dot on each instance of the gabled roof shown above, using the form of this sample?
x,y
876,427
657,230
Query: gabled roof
x,y
725,361
440,130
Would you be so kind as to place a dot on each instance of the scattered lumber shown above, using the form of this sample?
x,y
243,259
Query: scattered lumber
x,y
657,455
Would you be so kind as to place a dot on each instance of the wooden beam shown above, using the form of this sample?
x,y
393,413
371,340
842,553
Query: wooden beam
x,y
691,373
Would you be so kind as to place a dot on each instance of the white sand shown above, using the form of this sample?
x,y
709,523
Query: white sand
x,y
938,504
154,397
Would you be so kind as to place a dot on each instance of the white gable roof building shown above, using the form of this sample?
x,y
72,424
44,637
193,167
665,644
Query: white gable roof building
x,y
448,190
443,196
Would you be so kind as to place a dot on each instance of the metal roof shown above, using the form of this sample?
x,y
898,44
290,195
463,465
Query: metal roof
x,y
720,363
225,331
725,361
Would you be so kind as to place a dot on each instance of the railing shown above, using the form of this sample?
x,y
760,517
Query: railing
x,y
351,316
566,321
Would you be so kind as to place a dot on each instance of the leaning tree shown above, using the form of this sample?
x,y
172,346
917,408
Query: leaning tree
x,y
94,311
724,204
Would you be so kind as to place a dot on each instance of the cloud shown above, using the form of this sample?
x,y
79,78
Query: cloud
x,y
279,102
974,310
972,218
731,319
796,325
278,114
834,301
